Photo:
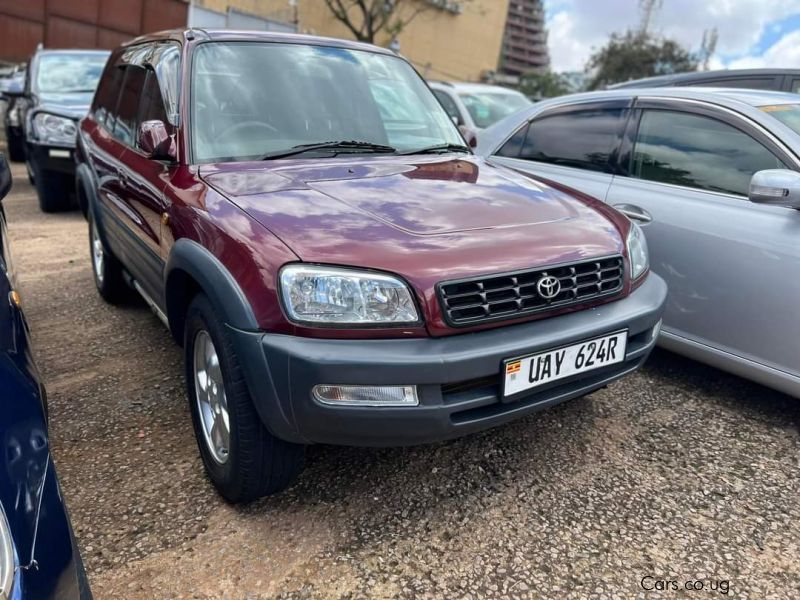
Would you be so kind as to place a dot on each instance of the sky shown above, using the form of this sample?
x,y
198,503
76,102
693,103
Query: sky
x,y
752,33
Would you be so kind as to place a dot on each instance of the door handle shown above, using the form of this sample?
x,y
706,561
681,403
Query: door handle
x,y
634,212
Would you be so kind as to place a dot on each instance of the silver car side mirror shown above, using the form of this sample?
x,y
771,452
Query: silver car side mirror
x,y
778,187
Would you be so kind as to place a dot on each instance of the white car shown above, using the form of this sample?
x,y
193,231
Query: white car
x,y
476,106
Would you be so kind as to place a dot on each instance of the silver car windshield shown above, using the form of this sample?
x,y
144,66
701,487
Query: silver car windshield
x,y
788,114
253,99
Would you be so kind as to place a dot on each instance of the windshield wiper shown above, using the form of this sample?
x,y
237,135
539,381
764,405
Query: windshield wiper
x,y
438,148
349,145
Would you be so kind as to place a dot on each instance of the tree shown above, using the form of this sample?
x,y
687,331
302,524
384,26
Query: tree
x,y
544,85
367,18
636,54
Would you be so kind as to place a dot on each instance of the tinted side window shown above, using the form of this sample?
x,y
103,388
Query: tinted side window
x,y
795,86
128,105
697,151
152,103
105,99
583,139
151,106
513,147
448,104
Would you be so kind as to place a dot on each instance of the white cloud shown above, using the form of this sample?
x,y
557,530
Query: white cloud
x,y
577,27
783,53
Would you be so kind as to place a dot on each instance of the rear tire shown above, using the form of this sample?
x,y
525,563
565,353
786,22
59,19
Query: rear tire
x,y
106,269
243,460
53,190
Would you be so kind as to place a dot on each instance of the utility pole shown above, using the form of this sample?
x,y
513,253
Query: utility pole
x,y
648,8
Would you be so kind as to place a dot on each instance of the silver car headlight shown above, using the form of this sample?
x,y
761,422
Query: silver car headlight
x,y
330,295
637,251
52,129
7,565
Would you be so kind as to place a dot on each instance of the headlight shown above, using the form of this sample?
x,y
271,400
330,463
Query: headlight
x,y
341,296
54,130
637,251
6,558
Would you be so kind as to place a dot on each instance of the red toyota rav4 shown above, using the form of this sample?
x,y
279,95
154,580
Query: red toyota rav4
x,y
338,266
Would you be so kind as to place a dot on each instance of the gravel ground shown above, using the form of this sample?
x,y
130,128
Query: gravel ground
x,y
679,473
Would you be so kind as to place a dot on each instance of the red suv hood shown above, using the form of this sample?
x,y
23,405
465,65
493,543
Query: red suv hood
x,y
429,219
451,216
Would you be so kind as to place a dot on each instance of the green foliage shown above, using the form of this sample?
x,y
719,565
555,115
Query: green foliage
x,y
544,85
636,54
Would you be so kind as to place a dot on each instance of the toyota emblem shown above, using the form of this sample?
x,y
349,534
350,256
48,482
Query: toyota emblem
x,y
548,287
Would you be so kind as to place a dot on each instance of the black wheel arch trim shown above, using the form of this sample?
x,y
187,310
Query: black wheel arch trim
x,y
213,279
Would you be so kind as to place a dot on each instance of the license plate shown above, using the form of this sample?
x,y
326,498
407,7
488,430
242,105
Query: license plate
x,y
528,372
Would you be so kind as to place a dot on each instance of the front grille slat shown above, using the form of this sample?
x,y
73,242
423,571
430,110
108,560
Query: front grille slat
x,y
512,295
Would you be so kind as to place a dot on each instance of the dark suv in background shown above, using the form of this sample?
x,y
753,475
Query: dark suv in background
x,y
58,91
779,80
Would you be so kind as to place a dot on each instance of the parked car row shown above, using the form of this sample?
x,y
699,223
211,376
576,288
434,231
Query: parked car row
x,y
305,217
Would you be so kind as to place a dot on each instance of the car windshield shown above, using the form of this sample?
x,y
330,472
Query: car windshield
x,y
788,114
486,108
69,72
252,99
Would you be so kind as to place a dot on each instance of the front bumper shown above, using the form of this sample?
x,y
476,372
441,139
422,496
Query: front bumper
x,y
457,377
47,157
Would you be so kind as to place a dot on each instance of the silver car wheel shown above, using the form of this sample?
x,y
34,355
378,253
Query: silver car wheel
x,y
212,405
98,254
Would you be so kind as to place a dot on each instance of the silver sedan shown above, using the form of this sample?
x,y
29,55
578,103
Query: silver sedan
x,y
713,176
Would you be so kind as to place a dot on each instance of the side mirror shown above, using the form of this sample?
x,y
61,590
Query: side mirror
x,y
469,136
5,176
155,142
777,187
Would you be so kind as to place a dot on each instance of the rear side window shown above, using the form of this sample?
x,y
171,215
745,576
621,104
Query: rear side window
x,y
584,139
697,151
128,105
105,99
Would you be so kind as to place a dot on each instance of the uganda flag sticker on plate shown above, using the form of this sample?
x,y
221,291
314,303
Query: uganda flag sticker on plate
x,y
513,368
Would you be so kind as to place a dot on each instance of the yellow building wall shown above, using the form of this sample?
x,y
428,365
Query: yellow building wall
x,y
441,44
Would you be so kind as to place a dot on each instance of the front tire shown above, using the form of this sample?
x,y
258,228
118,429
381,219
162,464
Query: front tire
x,y
53,190
16,149
243,460
106,269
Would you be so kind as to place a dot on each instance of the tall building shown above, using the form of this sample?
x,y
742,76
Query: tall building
x,y
447,39
525,39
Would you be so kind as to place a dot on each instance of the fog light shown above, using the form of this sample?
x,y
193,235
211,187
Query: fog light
x,y
366,395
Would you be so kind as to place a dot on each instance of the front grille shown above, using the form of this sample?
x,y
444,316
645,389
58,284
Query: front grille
x,y
513,295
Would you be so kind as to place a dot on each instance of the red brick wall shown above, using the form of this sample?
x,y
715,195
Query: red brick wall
x,y
81,23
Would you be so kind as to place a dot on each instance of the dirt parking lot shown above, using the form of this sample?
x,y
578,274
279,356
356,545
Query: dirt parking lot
x,y
680,473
